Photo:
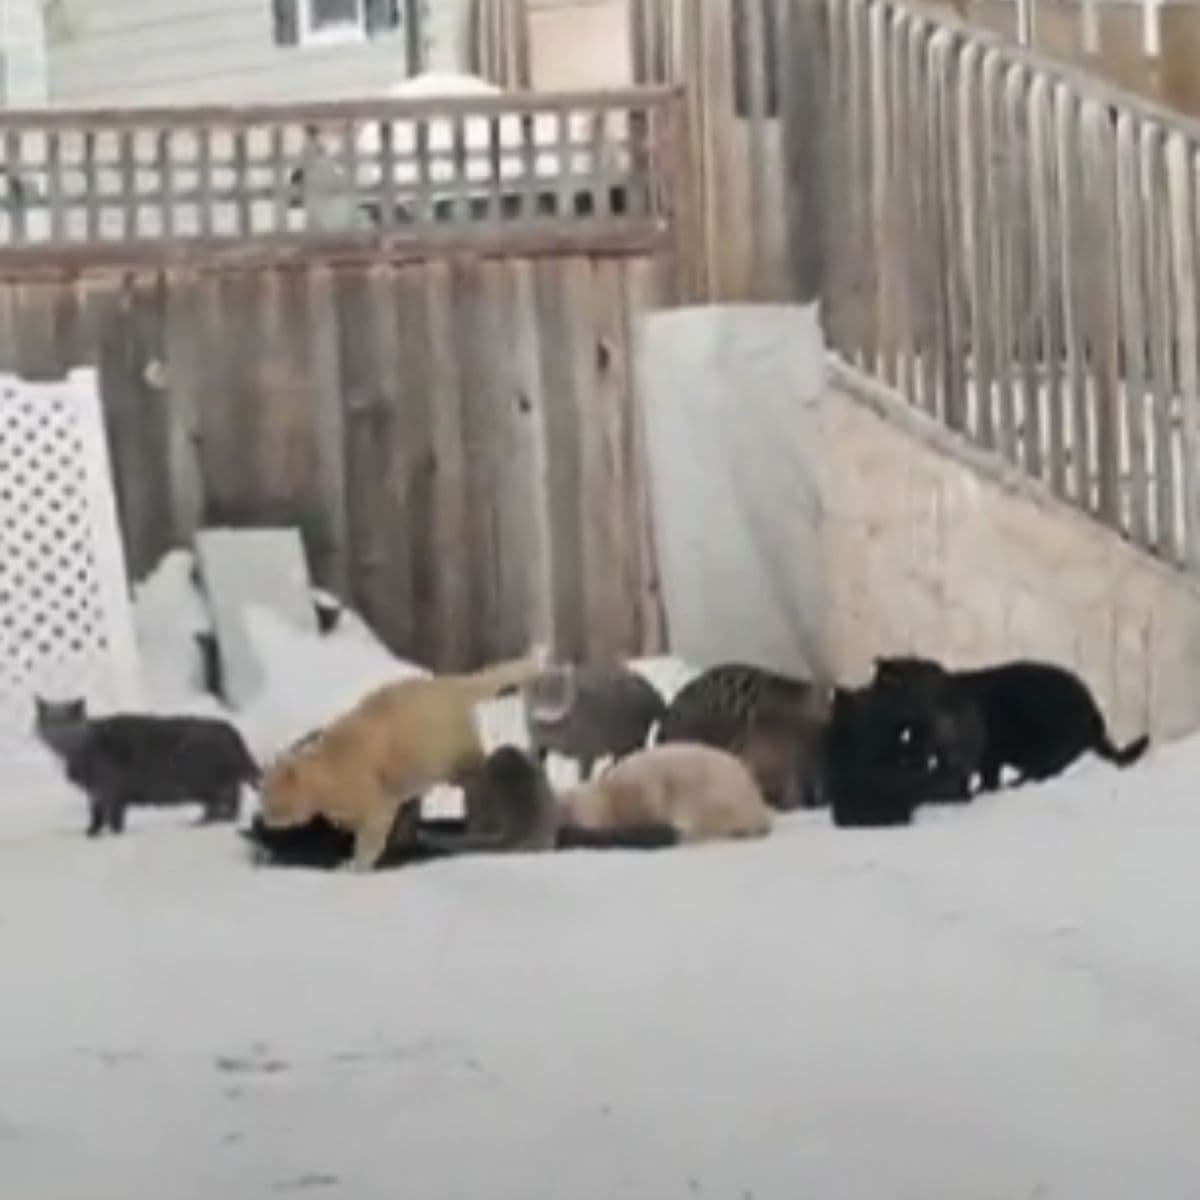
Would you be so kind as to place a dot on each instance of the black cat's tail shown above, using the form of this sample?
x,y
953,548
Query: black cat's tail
x,y
649,836
1123,756
434,841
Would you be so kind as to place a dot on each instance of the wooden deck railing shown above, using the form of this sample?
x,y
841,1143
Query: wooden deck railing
x,y
88,181
1013,245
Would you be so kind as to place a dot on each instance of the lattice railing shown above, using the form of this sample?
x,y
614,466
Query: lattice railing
x,y
152,175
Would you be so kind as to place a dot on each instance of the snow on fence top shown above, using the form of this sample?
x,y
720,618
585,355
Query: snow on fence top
x,y
475,160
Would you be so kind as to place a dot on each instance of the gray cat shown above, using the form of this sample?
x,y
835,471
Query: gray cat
x,y
136,759
511,808
590,712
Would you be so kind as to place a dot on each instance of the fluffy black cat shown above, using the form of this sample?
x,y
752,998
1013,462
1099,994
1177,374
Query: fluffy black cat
x,y
877,757
136,759
1034,717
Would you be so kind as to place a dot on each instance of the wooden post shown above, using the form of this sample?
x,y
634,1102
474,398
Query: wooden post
x,y
802,95
499,48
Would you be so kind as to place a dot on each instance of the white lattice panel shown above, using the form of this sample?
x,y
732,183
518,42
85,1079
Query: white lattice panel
x,y
65,621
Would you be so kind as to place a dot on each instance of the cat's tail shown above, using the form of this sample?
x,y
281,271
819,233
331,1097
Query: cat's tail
x,y
439,842
650,835
248,769
507,676
1123,756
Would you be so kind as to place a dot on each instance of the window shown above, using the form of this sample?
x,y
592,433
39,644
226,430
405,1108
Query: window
x,y
309,22
331,20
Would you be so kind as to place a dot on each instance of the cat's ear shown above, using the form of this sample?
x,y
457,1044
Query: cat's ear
x,y
76,710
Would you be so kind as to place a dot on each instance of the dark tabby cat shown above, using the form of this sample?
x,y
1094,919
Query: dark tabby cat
x,y
510,807
728,704
136,759
590,712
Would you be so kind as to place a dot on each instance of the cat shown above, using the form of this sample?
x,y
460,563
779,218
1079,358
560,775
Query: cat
x,y
138,759
1034,717
321,845
953,728
722,706
590,712
695,792
877,757
510,807
373,764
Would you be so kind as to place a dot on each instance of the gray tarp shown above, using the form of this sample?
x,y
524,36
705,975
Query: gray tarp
x,y
732,402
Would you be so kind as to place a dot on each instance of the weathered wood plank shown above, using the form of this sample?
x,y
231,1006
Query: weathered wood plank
x,y
976,237
564,461
476,338
1043,192
532,400
1019,116
997,155
954,250
1159,291
1132,234
403,329
511,464
186,374
316,340
454,642
362,355
1074,298
642,295
1181,193
1102,316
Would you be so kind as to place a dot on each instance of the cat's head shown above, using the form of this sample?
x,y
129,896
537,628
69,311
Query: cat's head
x,y
59,722
550,696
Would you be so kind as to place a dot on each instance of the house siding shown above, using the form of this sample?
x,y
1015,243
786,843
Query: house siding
x,y
114,52
22,53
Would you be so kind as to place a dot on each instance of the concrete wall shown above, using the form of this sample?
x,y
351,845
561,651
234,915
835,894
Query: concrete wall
x,y
111,52
933,547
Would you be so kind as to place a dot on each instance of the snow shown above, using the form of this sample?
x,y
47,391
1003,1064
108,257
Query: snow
x,y
998,1002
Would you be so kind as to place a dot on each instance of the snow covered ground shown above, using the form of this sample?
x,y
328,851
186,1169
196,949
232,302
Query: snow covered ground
x,y
1000,1002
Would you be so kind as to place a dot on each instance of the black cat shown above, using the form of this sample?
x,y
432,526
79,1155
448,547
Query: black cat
x,y
877,757
136,759
1034,717
320,845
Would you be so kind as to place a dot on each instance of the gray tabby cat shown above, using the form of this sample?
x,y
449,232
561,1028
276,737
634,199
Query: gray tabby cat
x,y
138,759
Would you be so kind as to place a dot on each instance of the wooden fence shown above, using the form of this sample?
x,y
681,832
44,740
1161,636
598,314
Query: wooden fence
x,y
753,204
443,402
1015,248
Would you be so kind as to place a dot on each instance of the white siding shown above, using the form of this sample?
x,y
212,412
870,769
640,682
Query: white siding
x,y
112,52
23,82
